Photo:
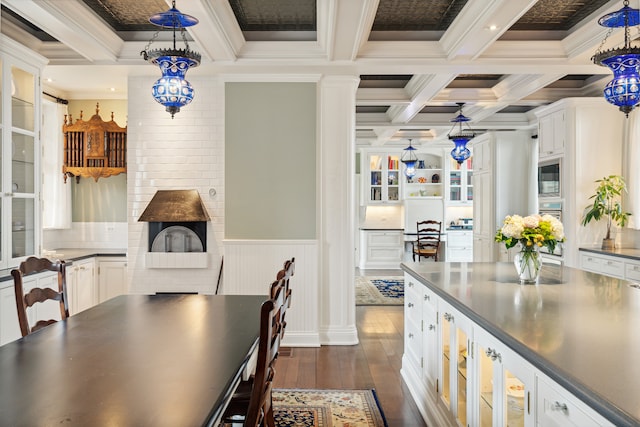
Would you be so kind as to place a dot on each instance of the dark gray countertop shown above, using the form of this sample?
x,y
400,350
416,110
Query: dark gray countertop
x,y
630,253
72,254
579,328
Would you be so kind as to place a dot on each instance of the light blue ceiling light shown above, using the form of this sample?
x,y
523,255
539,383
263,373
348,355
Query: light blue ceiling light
x,y
172,89
624,90
409,159
460,137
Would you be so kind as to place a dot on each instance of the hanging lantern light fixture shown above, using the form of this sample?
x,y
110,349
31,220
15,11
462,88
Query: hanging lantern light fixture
x,y
409,159
624,90
460,137
172,89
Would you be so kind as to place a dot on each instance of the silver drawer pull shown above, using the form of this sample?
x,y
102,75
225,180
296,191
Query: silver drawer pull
x,y
448,317
557,406
410,284
410,305
427,298
432,327
411,336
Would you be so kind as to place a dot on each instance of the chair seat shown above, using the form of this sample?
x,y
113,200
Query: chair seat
x,y
426,251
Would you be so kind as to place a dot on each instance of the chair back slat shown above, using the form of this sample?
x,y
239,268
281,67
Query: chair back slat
x,y
429,234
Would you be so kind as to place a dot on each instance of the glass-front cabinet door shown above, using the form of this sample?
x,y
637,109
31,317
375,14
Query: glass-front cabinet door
x,y
459,186
19,158
456,336
383,178
503,387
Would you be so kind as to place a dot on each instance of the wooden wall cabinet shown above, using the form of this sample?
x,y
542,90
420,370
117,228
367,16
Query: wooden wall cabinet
x,y
94,148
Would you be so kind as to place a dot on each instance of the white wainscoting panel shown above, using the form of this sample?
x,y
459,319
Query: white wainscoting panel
x,y
250,266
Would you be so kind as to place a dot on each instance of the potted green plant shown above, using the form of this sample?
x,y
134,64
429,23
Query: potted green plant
x,y
607,203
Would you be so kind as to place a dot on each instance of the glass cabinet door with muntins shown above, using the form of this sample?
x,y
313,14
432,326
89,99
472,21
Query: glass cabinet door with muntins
x,y
383,178
503,385
460,188
19,158
456,338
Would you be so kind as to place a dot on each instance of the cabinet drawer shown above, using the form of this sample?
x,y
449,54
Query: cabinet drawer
x,y
603,265
556,407
460,254
385,239
459,239
632,271
413,302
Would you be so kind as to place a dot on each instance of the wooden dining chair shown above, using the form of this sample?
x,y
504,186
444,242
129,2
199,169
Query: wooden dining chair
x,y
428,239
24,302
288,270
255,408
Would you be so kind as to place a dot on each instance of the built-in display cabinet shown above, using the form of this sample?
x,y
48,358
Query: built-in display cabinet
x,y
20,152
459,374
382,178
428,181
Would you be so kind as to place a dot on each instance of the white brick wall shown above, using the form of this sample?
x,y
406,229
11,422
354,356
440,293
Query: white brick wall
x,y
186,152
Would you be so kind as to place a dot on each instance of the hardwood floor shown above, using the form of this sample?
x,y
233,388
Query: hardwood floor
x,y
374,363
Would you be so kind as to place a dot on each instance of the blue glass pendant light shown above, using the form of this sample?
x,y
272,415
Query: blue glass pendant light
x,y
409,159
172,89
460,137
624,90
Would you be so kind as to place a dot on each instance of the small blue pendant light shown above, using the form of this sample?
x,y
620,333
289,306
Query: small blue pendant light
x,y
409,159
624,90
172,89
460,137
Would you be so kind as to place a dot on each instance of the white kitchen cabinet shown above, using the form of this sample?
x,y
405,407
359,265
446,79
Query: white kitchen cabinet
x,y
459,246
503,183
456,336
459,374
9,326
459,186
504,384
551,135
382,177
19,153
556,407
611,265
381,248
587,123
81,285
112,278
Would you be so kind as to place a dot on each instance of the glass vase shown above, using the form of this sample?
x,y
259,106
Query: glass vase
x,y
528,262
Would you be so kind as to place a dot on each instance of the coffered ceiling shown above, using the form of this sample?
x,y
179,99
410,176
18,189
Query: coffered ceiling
x,y
415,58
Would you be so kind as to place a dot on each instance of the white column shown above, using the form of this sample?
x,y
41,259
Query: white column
x,y
336,171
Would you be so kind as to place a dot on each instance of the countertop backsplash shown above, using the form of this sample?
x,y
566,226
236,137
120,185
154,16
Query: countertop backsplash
x,y
383,217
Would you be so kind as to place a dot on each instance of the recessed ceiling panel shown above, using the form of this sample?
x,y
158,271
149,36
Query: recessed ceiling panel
x,y
127,15
557,15
275,15
416,15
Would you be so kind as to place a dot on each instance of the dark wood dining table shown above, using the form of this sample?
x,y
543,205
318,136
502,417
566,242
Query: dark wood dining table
x,y
135,360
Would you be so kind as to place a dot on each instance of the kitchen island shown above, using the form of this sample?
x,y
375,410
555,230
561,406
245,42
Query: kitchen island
x,y
576,333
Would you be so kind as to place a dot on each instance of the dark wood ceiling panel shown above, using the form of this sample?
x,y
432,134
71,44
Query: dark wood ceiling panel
x,y
127,15
416,15
275,15
557,15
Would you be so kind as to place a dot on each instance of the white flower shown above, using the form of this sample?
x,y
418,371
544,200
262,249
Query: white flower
x,y
513,226
531,221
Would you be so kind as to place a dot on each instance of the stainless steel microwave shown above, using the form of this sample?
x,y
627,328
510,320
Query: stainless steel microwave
x,y
549,178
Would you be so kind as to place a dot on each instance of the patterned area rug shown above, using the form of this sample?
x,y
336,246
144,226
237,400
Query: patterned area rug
x,y
379,290
327,408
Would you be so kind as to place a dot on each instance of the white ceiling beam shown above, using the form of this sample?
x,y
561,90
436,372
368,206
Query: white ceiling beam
x,y
74,24
421,89
469,35
349,27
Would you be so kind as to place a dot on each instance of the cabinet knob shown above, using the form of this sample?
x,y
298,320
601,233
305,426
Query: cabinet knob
x,y
557,406
410,305
448,317
432,327
411,336
410,284
427,297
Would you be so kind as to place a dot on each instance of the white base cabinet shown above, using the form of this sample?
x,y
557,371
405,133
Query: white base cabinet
x,y
459,246
461,375
112,279
81,285
381,248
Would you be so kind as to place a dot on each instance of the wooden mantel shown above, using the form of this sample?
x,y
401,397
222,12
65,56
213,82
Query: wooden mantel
x,y
93,148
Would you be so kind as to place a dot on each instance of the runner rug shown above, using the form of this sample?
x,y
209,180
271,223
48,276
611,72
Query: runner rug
x,y
327,408
379,290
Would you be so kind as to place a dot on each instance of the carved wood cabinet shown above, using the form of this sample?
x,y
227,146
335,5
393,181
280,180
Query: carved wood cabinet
x,y
94,148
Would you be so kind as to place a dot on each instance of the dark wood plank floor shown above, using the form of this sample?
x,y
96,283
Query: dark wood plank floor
x,y
372,364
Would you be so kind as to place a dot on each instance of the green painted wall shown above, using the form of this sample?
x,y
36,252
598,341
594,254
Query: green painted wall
x,y
270,161
105,200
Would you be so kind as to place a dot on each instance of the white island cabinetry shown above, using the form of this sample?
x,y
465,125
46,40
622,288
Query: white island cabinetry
x,y
460,374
